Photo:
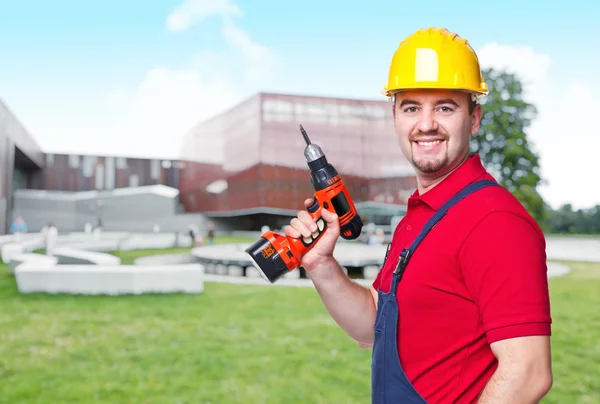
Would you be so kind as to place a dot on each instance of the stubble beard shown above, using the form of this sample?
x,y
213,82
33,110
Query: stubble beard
x,y
425,165
430,166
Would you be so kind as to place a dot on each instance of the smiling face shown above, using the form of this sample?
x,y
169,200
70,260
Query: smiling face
x,y
434,129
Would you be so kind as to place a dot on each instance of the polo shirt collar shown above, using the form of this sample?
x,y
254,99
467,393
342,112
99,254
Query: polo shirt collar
x,y
469,171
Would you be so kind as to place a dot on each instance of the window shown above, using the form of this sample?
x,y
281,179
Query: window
x,y
109,172
134,181
155,169
73,161
99,176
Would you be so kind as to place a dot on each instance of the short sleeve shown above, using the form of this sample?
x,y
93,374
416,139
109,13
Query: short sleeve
x,y
377,280
503,262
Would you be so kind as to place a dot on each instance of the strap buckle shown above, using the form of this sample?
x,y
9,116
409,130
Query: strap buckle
x,y
402,261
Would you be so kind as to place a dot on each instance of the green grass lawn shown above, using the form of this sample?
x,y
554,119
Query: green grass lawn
x,y
232,344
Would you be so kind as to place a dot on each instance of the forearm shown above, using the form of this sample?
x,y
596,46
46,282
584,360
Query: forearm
x,y
349,304
520,385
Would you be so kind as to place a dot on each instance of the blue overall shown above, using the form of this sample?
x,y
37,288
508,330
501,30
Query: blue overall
x,y
389,383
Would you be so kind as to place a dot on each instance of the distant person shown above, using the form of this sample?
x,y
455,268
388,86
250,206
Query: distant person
x,y
18,225
460,310
377,237
50,236
210,234
192,233
367,232
195,236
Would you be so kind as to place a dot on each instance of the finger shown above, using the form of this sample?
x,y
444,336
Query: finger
x,y
299,226
331,219
308,221
308,202
291,232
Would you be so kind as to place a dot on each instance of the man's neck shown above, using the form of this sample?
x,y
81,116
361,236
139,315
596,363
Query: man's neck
x,y
428,181
427,184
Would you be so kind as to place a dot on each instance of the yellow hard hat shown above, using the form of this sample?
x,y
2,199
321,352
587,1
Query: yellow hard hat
x,y
435,58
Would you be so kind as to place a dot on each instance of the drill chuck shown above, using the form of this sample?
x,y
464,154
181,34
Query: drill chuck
x,y
313,152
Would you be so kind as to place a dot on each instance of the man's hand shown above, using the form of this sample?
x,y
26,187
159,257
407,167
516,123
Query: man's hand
x,y
524,373
304,225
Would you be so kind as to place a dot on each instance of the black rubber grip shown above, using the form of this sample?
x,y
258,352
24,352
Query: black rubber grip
x,y
352,229
314,207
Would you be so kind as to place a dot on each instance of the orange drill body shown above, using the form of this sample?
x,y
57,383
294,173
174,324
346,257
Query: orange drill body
x,y
274,254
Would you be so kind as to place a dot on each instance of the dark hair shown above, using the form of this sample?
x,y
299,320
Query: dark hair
x,y
471,103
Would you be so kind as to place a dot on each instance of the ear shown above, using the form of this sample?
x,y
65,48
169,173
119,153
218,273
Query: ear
x,y
476,119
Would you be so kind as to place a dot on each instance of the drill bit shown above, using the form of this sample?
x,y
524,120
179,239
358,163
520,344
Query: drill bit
x,y
306,139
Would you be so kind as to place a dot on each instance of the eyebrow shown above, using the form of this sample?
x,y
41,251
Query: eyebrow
x,y
444,101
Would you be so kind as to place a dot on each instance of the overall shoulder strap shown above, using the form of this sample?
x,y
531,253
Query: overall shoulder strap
x,y
406,253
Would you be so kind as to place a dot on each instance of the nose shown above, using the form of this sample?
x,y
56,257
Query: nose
x,y
427,122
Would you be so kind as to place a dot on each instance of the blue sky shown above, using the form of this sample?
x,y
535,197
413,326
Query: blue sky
x,y
112,77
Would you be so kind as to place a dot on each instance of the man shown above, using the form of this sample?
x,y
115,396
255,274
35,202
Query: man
x,y
460,314
18,225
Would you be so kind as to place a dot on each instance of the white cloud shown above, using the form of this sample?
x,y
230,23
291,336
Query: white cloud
x,y
561,132
191,12
168,102
259,60
531,67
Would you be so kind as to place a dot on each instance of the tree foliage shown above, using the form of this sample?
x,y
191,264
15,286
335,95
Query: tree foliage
x,y
567,220
502,140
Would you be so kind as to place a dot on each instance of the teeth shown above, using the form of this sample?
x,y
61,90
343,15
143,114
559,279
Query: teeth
x,y
434,142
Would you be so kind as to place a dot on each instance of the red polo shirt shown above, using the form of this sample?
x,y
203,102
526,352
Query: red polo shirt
x,y
479,276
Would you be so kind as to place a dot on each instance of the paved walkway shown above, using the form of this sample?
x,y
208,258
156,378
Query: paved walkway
x,y
573,249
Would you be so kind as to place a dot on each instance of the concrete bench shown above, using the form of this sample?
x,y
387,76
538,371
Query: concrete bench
x,y
32,259
72,256
166,259
149,241
109,279
102,245
10,249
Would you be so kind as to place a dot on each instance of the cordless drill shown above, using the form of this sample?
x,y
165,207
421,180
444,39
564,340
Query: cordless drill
x,y
274,254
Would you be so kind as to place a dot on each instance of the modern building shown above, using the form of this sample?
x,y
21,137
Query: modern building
x,y
248,162
117,193
21,160
243,169
72,190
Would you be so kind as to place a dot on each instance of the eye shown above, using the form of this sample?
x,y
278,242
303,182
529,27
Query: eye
x,y
446,109
410,110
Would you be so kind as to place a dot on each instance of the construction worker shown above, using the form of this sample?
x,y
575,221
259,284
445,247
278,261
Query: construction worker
x,y
459,311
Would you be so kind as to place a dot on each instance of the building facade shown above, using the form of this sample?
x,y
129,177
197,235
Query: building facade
x,y
245,165
250,159
21,160
72,172
24,166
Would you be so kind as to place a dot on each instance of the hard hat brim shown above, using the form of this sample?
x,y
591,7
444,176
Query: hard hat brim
x,y
475,93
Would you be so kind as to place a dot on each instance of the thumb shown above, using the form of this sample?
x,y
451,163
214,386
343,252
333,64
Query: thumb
x,y
332,220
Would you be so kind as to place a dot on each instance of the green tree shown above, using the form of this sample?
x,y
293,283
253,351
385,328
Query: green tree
x,y
567,220
502,140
